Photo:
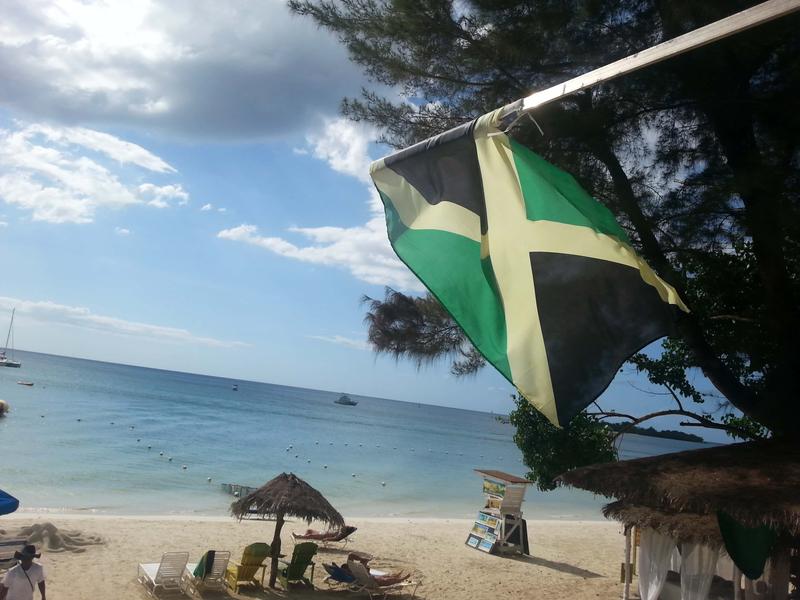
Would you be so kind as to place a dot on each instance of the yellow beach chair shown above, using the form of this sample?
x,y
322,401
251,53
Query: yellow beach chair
x,y
245,572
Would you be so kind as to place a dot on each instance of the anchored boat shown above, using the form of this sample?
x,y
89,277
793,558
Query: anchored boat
x,y
346,400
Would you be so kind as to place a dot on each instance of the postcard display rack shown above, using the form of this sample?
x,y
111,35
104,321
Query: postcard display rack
x,y
499,527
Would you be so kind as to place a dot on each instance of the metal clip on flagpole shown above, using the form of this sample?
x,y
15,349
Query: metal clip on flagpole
x,y
741,21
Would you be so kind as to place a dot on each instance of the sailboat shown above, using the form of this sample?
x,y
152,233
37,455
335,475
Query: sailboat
x,y
5,361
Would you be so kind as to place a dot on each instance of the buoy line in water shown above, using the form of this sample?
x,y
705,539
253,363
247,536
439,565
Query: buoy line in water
x,y
309,461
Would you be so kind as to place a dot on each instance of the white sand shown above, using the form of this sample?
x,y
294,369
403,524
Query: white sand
x,y
576,560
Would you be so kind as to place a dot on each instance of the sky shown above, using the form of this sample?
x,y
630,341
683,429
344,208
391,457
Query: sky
x,y
178,190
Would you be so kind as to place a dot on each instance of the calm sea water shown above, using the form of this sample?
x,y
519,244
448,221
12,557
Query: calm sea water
x,y
89,436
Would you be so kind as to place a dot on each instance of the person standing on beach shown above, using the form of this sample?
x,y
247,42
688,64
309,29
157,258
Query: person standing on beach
x,y
20,581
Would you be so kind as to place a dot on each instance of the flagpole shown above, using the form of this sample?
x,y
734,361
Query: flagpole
x,y
741,21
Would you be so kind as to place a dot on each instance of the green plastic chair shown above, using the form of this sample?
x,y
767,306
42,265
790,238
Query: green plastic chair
x,y
246,571
295,571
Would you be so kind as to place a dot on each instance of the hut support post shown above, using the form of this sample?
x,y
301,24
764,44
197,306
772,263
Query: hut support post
x,y
626,590
778,574
737,583
276,550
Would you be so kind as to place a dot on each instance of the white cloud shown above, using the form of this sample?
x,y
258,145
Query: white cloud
x,y
222,209
122,231
3,223
206,207
363,250
341,341
196,67
65,174
115,148
76,316
344,145
160,194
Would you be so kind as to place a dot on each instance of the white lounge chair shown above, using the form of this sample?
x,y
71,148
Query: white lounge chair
x,y
368,583
7,550
214,578
164,576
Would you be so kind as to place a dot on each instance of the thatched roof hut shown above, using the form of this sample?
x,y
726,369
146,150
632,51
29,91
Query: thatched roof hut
x,y
683,527
756,483
287,495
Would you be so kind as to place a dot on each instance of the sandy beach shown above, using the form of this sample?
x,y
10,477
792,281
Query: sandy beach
x,y
570,559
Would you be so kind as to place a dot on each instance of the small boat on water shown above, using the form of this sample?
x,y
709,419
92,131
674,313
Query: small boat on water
x,y
235,387
28,383
346,400
5,361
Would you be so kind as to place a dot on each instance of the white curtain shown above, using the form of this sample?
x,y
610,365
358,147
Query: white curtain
x,y
654,555
698,565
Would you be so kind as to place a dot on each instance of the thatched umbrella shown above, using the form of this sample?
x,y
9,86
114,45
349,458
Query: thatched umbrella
x,y
286,496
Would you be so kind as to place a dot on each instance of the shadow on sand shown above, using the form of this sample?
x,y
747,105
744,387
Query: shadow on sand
x,y
556,566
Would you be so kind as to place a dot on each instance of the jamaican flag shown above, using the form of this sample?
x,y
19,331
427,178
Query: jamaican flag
x,y
537,273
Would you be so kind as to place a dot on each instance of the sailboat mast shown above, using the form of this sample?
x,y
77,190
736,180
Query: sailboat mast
x,y
10,325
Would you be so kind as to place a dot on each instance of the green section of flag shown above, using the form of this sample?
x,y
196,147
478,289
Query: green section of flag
x,y
394,224
460,281
553,195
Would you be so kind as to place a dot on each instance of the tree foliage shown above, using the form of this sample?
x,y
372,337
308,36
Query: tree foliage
x,y
699,157
549,451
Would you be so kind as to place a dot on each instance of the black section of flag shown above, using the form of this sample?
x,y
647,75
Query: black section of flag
x,y
594,314
445,167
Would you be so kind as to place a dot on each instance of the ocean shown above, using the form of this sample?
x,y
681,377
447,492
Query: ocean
x,y
98,437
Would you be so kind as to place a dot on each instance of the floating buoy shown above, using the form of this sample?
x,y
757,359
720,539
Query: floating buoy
x,y
353,475
383,483
290,446
161,454
132,427
296,456
40,416
360,445
78,420
395,448
184,467
138,439
169,459
309,460
316,443
330,443
112,422
149,447
208,479
324,466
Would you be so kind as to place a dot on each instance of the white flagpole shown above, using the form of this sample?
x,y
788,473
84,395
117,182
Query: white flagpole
x,y
757,15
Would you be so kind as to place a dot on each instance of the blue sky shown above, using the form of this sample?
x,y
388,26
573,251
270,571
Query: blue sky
x,y
177,190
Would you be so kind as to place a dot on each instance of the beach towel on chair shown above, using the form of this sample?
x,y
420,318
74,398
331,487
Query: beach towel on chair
x,y
203,567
